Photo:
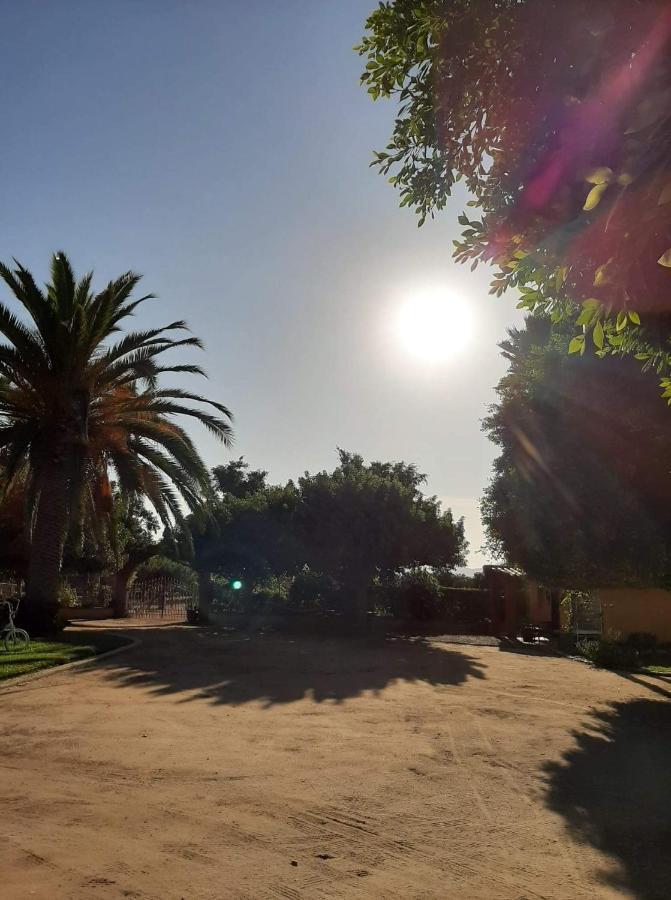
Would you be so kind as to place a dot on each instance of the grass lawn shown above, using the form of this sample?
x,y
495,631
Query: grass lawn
x,y
69,647
657,670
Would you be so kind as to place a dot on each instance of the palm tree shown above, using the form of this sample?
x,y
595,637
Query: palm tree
x,y
79,405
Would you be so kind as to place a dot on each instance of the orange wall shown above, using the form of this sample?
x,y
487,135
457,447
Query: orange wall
x,y
627,610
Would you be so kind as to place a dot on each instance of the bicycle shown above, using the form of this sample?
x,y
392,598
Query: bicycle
x,y
14,638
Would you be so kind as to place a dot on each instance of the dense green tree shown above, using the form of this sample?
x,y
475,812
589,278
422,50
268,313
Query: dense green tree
x,y
78,402
250,536
581,491
237,479
337,531
557,116
247,537
362,521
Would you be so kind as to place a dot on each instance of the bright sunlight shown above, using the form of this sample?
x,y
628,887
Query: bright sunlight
x,y
435,324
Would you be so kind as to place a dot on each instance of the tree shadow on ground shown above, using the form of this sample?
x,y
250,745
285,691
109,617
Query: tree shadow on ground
x,y
272,669
541,651
614,791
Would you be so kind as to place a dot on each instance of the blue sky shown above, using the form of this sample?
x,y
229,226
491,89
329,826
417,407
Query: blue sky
x,y
222,149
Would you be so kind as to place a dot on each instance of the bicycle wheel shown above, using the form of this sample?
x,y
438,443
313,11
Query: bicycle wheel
x,y
15,640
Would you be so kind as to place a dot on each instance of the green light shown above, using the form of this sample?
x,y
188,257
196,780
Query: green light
x,y
236,585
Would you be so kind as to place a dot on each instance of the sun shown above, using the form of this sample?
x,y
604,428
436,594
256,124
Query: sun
x,y
435,324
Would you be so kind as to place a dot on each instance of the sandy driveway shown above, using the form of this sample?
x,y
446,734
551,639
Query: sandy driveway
x,y
201,766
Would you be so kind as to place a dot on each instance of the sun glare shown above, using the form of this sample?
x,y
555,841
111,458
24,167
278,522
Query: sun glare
x,y
435,325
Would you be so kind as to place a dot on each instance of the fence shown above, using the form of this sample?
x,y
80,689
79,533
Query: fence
x,y
10,587
160,597
156,597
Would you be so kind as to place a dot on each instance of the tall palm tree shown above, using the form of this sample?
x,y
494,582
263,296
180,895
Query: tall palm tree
x,y
79,404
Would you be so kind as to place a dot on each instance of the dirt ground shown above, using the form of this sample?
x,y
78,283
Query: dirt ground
x,y
197,765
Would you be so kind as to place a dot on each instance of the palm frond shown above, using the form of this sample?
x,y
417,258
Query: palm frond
x,y
26,291
178,394
26,341
188,486
71,389
63,286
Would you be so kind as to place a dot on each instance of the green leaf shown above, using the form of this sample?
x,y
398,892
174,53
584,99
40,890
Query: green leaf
x,y
600,275
585,316
597,335
594,196
634,317
665,259
591,304
621,321
602,175
577,344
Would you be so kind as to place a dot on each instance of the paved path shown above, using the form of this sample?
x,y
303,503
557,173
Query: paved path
x,y
207,766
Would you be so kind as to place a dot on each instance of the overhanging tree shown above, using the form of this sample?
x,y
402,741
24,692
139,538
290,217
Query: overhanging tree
x,y
77,403
557,116
581,491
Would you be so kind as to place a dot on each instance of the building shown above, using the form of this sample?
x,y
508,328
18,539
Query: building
x,y
517,600
626,611
609,613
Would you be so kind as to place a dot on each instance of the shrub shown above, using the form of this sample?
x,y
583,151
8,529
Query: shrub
x,y
418,595
312,590
224,598
273,591
609,654
67,595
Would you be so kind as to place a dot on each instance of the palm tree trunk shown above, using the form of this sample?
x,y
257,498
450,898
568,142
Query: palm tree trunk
x,y
120,581
46,555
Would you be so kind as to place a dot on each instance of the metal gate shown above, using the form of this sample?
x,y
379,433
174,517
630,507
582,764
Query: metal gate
x,y
586,616
160,597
